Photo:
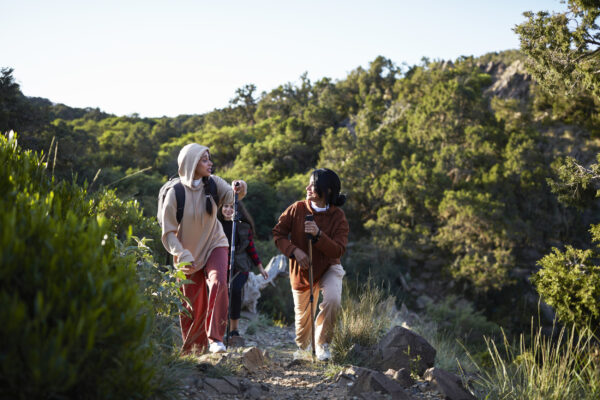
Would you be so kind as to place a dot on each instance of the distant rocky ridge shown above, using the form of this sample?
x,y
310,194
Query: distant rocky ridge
x,y
509,82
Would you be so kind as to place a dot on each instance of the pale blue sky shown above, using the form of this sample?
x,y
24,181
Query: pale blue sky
x,y
175,57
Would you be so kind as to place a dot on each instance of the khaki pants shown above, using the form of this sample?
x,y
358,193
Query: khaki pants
x,y
331,288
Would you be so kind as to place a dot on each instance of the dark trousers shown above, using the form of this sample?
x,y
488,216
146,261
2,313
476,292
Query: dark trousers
x,y
236,293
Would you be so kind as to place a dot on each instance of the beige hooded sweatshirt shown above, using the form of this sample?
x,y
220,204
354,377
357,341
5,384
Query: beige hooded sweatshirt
x,y
199,232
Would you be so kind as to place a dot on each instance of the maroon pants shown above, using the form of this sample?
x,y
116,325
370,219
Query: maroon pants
x,y
209,312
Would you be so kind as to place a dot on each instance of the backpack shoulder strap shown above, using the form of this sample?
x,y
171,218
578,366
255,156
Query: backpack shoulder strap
x,y
212,190
180,197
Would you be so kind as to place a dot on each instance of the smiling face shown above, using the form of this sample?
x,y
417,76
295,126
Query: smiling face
x,y
227,211
204,166
311,193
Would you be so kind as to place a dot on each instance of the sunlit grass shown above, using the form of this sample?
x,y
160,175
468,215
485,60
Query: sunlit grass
x,y
541,368
361,322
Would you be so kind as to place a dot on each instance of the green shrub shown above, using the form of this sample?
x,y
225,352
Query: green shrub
x,y
125,215
570,282
161,287
73,322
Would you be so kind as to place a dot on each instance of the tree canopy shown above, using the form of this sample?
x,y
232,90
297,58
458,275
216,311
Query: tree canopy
x,y
445,164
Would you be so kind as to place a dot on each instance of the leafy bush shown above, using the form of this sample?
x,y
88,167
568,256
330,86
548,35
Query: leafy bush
x,y
570,282
161,287
73,322
125,215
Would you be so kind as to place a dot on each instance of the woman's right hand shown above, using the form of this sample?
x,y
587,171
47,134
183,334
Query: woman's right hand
x,y
188,268
301,258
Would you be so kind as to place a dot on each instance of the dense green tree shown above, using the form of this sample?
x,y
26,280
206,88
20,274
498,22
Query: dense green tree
x,y
225,144
9,95
564,48
16,111
288,149
564,51
244,100
285,101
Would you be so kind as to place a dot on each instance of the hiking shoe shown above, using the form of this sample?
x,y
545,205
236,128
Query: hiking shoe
x,y
323,353
234,333
217,347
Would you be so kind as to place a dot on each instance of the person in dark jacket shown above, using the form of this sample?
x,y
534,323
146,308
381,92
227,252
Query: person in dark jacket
x,y
245,257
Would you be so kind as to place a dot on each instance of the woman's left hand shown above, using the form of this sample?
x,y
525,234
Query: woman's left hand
x,y
311,227
263,272
240,187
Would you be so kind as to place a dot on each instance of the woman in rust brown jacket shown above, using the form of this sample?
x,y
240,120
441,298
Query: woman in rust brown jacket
x,y
329,231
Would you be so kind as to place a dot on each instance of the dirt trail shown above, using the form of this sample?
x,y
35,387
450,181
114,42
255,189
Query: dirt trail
x,y
278,376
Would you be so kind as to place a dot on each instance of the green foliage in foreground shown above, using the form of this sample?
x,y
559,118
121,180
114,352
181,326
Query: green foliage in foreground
x,y
542,368
74,322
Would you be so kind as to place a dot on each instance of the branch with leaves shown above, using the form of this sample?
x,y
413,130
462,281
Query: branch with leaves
x,y
564,48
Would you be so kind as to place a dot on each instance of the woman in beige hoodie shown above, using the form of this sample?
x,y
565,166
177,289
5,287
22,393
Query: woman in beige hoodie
x,y
200,248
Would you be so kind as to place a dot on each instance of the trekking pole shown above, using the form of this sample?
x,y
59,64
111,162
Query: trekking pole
x,y
231,259
310,279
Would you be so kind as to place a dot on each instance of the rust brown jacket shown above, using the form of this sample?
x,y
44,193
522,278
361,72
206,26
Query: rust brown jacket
x,y
289,234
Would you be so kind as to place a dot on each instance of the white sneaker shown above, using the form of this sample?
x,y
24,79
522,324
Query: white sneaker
x,y
217,347
323,353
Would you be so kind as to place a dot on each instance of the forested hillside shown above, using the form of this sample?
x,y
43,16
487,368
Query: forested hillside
x,y
445,165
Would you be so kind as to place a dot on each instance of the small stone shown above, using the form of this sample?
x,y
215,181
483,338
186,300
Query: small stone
x,y
220,386
448,384
253,393
252,359
403,377
233,381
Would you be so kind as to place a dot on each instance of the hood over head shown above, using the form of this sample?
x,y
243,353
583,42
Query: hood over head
x,y
187,160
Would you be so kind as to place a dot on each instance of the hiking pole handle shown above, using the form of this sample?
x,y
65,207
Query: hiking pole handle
x,y
309,217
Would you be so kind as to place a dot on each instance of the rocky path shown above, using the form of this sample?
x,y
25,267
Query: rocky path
x,y
263,368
